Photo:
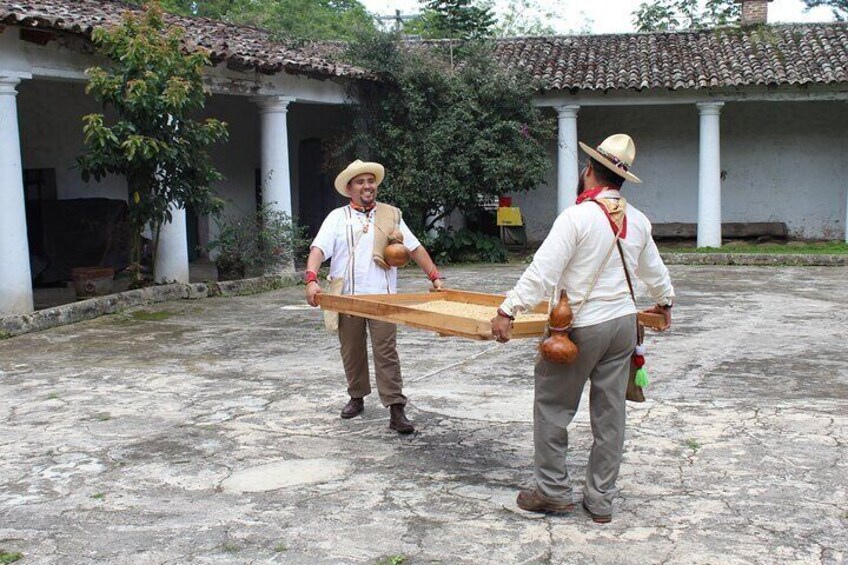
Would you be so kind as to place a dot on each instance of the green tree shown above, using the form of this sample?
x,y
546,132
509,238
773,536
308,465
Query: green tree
x,y
446,137
453,19
838,7
301,19
153,87
674,15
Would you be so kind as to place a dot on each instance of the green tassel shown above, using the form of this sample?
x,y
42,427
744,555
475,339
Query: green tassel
x,y
641,377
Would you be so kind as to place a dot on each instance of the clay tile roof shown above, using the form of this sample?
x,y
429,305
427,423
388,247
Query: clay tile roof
x,y
797,54
781,55
240,47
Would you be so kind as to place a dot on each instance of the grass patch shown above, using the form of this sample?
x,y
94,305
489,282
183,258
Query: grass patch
x,y
10,556
792,247
280,547
5,335
391,560
148,316
102,416
99,496
693,445
231,547
53,396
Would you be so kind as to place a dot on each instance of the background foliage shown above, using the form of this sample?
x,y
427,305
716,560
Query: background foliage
x,y
301,19
674,15
447,136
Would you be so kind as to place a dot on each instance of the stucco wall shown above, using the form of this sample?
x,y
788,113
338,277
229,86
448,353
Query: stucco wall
x,y
51,137
50,120
782,160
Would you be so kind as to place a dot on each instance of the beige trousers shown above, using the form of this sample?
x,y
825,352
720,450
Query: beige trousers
x,y
352,337
604,360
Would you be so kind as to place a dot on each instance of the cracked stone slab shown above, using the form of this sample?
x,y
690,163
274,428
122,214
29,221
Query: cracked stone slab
x,y
213,436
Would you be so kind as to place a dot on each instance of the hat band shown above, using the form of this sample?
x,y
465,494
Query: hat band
x,y
615,160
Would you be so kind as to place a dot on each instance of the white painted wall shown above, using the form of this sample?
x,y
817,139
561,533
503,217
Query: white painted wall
x,y
783,162
51,136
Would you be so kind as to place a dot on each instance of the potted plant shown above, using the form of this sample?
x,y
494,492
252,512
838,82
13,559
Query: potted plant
x,y
261,243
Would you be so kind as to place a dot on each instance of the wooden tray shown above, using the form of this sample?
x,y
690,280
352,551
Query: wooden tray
x,y
401,309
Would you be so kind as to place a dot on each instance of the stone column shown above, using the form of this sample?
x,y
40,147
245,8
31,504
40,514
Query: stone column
x,y
15,277
172,252
276,184
709,177
568,165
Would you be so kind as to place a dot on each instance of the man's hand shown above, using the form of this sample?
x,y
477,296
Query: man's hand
x,y
664,312
501,328
313,289
438,284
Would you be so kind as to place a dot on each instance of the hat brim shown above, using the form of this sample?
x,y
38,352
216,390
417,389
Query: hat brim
x,y
609,164
344,177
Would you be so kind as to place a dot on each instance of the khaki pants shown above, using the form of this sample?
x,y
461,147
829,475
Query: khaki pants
x,y
604,359
352,337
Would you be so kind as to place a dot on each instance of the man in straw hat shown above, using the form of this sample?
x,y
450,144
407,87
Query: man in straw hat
x,y
579,256
353,237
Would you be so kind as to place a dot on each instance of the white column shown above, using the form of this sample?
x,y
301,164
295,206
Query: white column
x,y
568,166
15,279
276,184
709,177
172,252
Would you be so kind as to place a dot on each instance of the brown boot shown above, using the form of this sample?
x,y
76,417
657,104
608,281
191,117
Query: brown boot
x,y
398,421
597,518
534,501
354,407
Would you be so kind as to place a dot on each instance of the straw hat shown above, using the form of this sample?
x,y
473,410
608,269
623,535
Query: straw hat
x,y
355,169
616,153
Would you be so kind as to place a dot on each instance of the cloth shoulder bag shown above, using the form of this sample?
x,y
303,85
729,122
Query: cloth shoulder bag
x,y
336,285
635,393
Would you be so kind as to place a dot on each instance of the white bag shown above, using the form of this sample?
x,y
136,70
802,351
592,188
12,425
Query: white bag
x,y
331,318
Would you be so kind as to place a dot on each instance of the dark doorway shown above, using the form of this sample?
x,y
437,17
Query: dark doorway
x,y
317,197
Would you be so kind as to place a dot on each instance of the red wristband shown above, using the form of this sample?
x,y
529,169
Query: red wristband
x,y
434,274
505,315
310,276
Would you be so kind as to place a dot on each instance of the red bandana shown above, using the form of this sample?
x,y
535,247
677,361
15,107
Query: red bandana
x,y
363,209
592,195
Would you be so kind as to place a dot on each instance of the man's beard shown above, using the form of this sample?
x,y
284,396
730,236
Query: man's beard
x,y
581,182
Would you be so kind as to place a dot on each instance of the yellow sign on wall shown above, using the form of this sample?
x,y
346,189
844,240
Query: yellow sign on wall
x,y
509,217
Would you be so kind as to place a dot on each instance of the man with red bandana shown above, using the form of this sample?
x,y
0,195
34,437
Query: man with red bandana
x,y
592,251
353,237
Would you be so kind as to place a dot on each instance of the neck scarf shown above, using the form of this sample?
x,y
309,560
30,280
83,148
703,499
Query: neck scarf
x,y
363,209
613,208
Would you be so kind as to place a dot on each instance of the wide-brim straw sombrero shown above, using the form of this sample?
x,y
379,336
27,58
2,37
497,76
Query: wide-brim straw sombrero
x,y
355,169
616,153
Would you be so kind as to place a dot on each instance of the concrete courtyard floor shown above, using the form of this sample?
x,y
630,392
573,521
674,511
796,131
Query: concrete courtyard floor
x,y
210,434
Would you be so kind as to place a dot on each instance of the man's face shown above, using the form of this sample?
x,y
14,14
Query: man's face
x,y
363,189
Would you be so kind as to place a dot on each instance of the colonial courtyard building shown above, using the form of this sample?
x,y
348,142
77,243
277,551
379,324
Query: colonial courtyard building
x,y
736,126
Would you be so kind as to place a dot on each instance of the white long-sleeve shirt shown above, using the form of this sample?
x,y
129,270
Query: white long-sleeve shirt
x,y
573,252
343,231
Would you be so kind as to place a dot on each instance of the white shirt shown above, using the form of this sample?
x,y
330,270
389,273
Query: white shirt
x,y
343,230
573,252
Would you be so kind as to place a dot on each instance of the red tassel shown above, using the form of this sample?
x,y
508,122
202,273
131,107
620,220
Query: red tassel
x,y
639,361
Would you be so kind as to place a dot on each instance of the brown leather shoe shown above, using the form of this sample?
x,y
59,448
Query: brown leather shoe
x,y
534,501
354,407
398,421
597,518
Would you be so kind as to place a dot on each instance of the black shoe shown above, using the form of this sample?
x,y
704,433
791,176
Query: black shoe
x,y
398,420
354,407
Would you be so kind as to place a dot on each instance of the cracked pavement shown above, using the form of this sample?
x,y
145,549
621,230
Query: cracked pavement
x,y
213,436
